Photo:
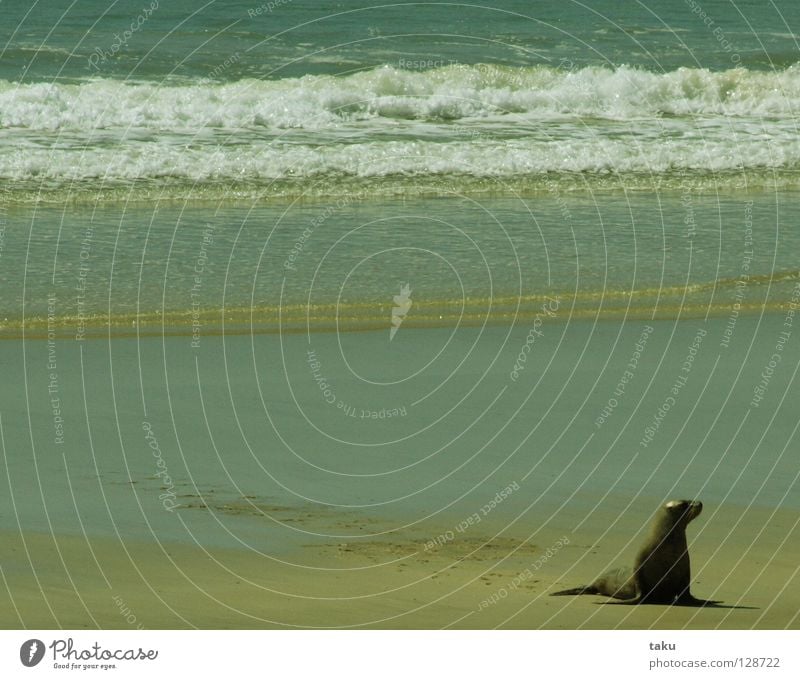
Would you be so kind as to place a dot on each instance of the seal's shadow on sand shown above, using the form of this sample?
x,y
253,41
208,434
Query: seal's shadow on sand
x,y
697,603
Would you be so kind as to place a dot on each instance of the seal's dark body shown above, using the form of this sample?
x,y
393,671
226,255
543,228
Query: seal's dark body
x,y
661,573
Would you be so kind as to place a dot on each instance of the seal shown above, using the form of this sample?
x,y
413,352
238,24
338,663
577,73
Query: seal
x,y
661,573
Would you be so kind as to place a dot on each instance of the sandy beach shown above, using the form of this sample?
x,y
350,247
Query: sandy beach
x,y
480,582
225,504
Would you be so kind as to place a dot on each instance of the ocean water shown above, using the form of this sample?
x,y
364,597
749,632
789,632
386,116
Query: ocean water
x,y
197,200
490,155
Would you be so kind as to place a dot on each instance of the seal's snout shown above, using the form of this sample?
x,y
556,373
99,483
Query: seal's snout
x,y
694,509
686,509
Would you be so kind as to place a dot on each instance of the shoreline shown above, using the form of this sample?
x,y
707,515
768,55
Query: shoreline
x,y
373,318
483,582
281,191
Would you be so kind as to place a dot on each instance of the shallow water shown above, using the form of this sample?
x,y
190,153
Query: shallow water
x,y
328,265
230,442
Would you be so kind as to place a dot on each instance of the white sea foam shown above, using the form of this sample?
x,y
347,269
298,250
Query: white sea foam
x,y
481,121
479,159
451,93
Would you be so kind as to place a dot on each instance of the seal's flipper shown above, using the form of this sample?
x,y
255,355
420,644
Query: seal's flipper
x,y
585,589
621,602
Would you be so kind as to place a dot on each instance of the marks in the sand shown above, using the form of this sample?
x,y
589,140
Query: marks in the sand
x,y
457,552
484,549
323,518
371,541
251,506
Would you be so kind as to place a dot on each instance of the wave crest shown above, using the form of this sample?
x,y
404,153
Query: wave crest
x,y
448,93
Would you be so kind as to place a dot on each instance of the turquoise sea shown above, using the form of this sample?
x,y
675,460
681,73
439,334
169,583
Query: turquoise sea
x,y
388,259
518,148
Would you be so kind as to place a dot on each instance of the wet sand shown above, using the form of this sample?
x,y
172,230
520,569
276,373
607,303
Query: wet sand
x,y
196,513
476,581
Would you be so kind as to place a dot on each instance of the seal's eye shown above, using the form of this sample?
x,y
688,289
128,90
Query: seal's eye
x,y
679,507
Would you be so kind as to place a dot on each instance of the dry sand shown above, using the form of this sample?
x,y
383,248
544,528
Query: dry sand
x,y
748,560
